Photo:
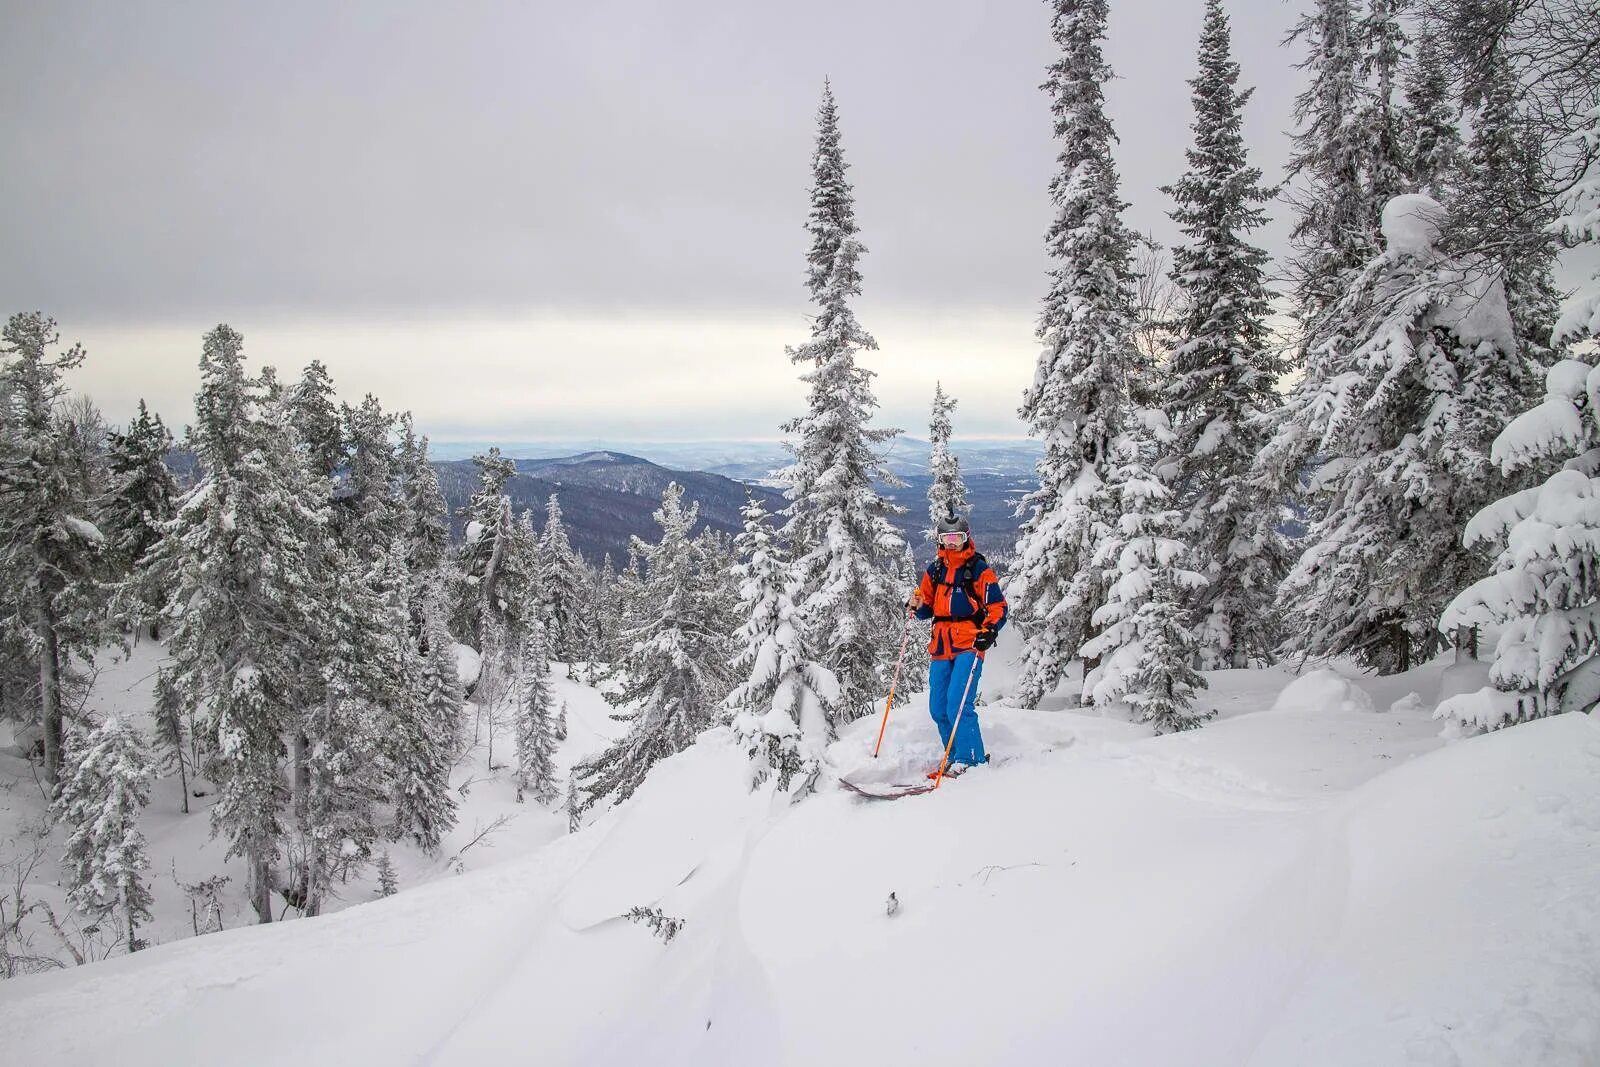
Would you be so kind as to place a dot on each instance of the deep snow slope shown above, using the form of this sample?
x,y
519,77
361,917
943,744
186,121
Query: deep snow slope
x,y
1317,879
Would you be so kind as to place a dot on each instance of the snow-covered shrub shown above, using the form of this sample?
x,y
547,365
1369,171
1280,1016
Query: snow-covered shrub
x,y
781,706
100,801
1546,587
1395,416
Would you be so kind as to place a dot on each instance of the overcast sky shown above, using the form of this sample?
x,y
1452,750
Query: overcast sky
x,y
537,220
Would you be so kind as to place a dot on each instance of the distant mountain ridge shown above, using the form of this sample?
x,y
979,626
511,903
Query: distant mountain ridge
x,y
607,497
755,460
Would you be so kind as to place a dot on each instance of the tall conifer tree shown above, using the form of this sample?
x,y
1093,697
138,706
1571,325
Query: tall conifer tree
x,y
535,719
781,703
100,802
1222,375
50,549
1435,134
838,528
947,494
143,492
1080,398
676,667
238,565
1402,434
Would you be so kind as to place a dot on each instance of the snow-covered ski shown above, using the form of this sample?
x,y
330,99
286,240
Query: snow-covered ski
x,y
892,792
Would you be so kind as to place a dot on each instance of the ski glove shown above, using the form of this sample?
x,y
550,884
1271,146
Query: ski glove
x,y
984,639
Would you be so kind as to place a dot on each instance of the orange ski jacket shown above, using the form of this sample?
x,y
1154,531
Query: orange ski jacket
x,y
960,593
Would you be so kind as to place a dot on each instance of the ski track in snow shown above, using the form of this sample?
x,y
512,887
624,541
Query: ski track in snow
x,y
1290,884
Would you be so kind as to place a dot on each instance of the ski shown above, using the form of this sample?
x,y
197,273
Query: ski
x,y
895,792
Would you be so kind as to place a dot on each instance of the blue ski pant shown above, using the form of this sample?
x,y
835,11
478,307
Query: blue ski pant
x,y
947,679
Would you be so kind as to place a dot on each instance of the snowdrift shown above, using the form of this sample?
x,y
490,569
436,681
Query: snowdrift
x,y
1333,886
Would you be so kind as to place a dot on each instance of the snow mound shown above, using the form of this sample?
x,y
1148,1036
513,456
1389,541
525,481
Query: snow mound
x,y
1412,224
468,665
1410,704
1440,853
1323,690
685,811
1354,891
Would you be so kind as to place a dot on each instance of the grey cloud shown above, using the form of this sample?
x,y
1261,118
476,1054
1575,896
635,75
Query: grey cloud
x,y
213,160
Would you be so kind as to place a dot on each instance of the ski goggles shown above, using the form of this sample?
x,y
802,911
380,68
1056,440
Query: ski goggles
x,y
953,540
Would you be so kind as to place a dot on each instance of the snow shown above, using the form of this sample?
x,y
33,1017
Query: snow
x,y
1304,881
85,530
468,664
1412,224
1320,690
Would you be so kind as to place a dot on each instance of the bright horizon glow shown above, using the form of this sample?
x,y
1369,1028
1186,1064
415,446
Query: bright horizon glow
x,y
549,376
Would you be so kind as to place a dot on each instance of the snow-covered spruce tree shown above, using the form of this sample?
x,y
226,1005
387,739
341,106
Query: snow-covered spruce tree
x,y
356,679
1545,590
1350,157
1434,138
625,610
1143,649
780,706
1079,399
422,699
1401,428
1336,199
388,884
83,429
1579,224
484,540
675,669
422,503
1501,209
102,795
718,561
1382,119
369,509
535,702
947,494
314,412
244,602
50,550
563,584
915,660
837,528
442,692
172,734
143,490
1222,374
607,611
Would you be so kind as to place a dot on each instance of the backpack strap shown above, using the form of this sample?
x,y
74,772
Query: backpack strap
x,y
967,580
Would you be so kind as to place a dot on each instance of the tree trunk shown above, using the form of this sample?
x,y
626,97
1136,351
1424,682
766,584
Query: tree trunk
x,y
260,886
1240,654
1402,648
183,776
50,695
1466,643
311,903
302,776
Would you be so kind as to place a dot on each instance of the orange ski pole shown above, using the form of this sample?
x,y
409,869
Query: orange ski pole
x,y
977,661
905,637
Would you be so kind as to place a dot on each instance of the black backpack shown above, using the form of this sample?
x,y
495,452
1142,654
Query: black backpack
x,y
966,581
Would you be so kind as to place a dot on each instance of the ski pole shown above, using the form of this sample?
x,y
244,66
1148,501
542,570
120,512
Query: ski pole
x,y
905,637
977,662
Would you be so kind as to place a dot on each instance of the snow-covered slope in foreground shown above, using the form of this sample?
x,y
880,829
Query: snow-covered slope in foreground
x,y
1293,886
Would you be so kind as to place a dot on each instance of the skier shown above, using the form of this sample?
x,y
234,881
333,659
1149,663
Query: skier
x,y
962,596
